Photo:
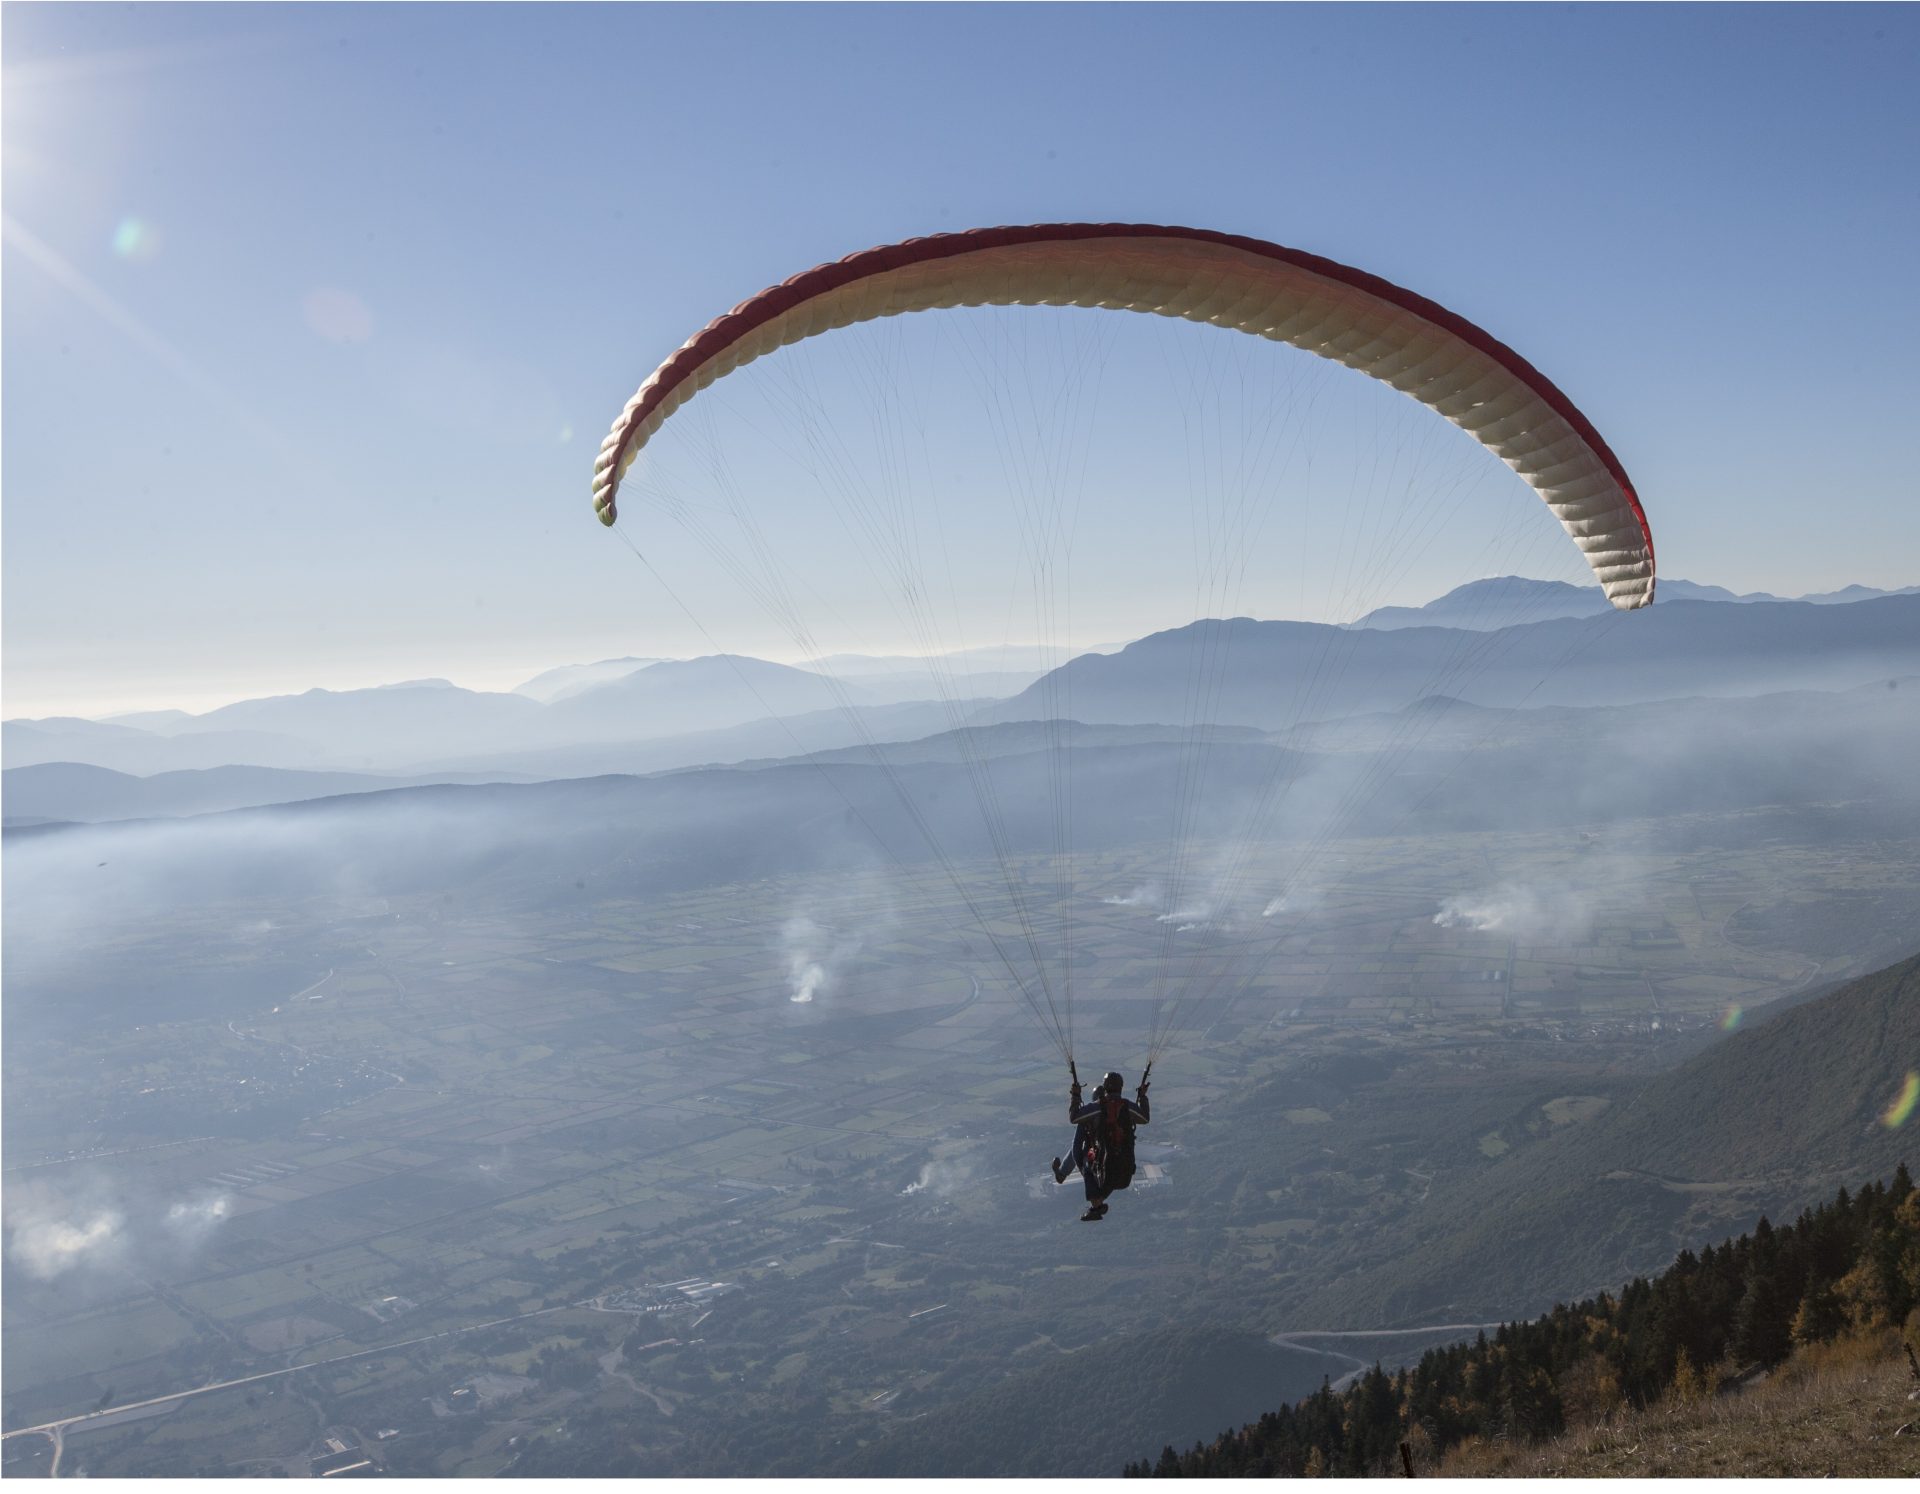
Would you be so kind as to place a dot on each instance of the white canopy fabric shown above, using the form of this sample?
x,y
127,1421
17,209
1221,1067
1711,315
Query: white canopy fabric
x,y
1324,308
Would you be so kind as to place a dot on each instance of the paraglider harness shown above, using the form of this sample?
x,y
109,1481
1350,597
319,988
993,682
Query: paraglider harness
x,y
1106,1141
1113,1143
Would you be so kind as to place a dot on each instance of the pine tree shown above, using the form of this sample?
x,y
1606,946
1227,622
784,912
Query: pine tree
x,y
1819,1317
1688,1384
1763,1322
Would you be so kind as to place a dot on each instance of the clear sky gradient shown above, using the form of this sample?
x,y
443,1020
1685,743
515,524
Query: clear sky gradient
x,y
314,317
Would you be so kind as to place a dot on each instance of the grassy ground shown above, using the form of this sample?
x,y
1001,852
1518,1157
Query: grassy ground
x,y
1841,1417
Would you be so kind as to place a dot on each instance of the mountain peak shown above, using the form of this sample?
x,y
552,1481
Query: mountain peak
x,y
1494,602
570,679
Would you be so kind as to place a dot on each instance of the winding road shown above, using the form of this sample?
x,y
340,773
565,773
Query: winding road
x,y
1291,1340
55,1431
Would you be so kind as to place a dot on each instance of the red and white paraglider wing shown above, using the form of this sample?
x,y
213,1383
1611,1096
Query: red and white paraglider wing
x,y
1324,308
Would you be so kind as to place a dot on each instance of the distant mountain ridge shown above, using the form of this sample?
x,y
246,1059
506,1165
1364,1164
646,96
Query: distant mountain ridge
x,y
969,666
1284,671
1498,602
705,694
413,719
129,749
625,714
83,793
1750,750
423,727
1503,601
570,679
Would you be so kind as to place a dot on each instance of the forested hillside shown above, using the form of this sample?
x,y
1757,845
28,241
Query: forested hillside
x,y
1849,1270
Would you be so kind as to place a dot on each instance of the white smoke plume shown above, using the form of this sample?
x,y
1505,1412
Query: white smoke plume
x,y
1221,907
1547,910
51,1233
49,1246
951,1169
1300,900
1146,895
820,938
191,1220
811,953
1220,898
816,955
1483,913
807,976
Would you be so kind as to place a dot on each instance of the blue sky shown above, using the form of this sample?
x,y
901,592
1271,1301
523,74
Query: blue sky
x,y
314,317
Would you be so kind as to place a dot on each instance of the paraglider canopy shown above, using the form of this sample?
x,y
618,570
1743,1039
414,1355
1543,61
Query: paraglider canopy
x,y
1332,310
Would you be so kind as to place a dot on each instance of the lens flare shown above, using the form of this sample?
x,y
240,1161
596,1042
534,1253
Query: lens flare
x,y
135,238
1902,1106
1731,1018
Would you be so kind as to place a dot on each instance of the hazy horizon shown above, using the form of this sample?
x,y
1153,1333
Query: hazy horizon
x,y
505,679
